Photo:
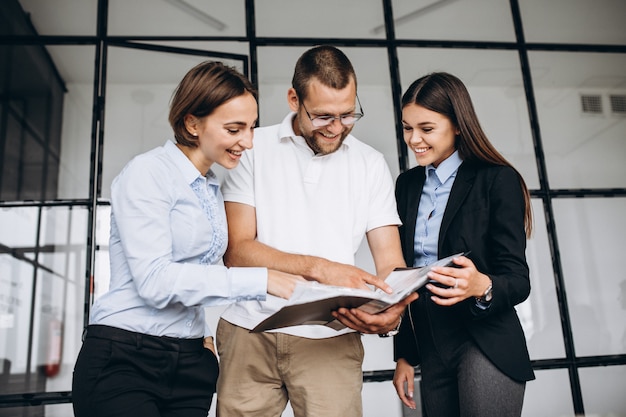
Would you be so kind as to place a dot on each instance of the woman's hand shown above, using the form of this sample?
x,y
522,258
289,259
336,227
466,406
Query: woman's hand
x,y
404,381
208,344
282,284
459,283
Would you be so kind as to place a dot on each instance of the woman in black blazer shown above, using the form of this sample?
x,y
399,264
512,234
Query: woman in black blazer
x,y
463,330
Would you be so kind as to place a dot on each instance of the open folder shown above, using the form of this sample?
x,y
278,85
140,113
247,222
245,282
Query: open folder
x,y
313,303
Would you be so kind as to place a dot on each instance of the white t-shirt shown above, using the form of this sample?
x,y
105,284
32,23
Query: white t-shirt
x,y
320,205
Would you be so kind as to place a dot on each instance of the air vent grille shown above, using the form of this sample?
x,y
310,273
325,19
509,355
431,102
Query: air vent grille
x,y
591,103
618,104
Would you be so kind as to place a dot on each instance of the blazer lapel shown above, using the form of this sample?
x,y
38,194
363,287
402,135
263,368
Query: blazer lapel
x,y
461,187
412,205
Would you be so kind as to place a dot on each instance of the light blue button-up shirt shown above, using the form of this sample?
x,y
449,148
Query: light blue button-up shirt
x,y
433,203
159,236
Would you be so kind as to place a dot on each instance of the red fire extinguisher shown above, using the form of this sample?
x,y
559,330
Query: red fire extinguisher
x,y
55,346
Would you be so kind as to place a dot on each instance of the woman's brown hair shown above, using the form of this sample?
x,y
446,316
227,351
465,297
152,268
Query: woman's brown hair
x,y
203,89
325,63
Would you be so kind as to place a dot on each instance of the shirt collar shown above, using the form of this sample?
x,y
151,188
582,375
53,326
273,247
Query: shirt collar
x,y
186,167
285,131
448,167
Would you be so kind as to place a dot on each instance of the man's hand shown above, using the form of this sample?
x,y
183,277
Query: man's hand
x,y
344,275
379,323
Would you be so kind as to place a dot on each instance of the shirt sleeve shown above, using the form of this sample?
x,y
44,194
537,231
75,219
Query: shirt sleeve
x,y
238,184
382,207
144,199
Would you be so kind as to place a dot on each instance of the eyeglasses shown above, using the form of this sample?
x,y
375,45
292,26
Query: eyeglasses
x,y
344,119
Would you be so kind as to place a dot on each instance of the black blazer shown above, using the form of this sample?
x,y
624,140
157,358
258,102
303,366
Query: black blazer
x,y
484,215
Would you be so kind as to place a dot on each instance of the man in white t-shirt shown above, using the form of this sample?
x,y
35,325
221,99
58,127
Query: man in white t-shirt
x,y
301,201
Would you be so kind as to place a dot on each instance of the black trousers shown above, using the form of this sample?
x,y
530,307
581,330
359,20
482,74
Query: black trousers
x,y
122,373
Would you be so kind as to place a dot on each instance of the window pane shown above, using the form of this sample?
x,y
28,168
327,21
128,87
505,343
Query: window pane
x,y
102,270
497,93
177,18
578,21
59,410
48,122
539,314
584,145
380,399
476,20
33,93
549,395
596,290
16,283
321,18
53,273
603,390
51,17
76,65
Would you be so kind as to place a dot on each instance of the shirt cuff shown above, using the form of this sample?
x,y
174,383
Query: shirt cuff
x,y
249,283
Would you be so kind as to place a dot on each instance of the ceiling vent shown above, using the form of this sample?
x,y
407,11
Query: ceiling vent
x,y
591,103
618,104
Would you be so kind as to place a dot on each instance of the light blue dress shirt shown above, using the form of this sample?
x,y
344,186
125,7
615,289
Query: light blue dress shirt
x,y
433,203
164,246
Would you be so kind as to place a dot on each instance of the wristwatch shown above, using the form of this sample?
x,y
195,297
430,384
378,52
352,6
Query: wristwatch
x,y
393,331
487,295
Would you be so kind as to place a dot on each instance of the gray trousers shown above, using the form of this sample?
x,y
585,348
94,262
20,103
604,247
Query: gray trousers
x,y
469,385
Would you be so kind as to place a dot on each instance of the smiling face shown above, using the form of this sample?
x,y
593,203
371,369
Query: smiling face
x,y
322,100
224,134
430,135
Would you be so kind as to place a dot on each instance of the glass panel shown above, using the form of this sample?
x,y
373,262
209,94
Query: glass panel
x,y
380,399
102,272
59,410
16,284
33,92
582,134
591,238
600,21
374,89
46,142
497,92
41,350
539,314
549,395
321,18
51,17
11,157
177,18
378,353
603,390
19,231
139,88
476,20
76,66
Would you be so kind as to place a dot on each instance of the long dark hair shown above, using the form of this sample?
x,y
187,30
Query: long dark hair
x,y
445,94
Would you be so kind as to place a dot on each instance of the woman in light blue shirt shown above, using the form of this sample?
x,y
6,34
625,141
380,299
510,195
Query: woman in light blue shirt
x,y
144,349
